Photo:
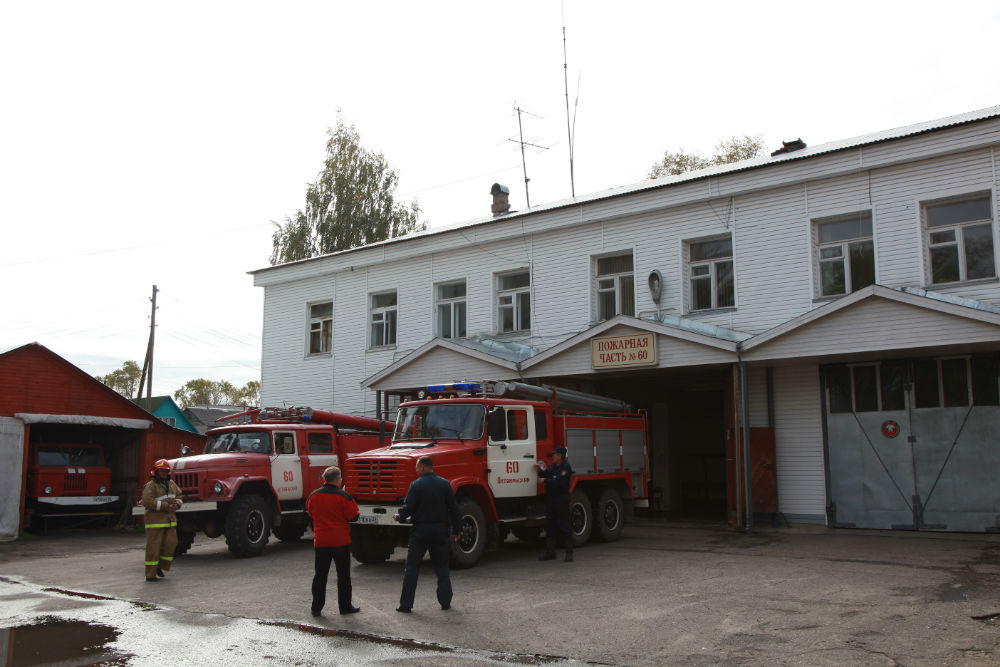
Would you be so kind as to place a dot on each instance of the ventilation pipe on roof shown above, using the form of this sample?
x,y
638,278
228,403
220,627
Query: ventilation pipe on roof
x,y
501,199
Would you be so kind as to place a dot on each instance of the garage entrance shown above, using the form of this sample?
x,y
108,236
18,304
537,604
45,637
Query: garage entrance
x,y
911,444
687,434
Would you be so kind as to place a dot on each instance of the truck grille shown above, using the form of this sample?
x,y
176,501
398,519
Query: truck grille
x,y
75,482
374,477
188,481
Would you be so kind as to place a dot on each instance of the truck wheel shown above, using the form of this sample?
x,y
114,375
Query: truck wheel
x,y
185,538
581,518
248,526
371,545
290,531
609,516
530,534
472,542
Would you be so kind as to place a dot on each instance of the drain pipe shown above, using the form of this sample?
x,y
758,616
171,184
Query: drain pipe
x,y
745,408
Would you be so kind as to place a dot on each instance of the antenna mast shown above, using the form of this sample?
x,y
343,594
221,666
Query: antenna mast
x,y
520,140
569,131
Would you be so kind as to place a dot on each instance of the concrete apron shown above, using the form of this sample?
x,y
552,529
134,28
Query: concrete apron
x,y
665,593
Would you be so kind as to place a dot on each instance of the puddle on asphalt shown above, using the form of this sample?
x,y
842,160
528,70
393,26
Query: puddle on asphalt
x,y
56,641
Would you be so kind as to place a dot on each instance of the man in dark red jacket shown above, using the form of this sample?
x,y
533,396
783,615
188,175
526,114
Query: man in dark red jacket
x,y
332,511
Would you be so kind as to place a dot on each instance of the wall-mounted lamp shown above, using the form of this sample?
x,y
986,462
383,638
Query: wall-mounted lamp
x,y
655,285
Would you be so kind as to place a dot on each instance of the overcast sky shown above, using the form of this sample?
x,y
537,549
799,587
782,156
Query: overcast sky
x,y
153,143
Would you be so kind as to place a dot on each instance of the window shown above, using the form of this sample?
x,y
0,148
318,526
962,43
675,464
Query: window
x,y
846,254
383,319
960,239
451,310
169,421
615,287
514,302
320,327
711,271
320,443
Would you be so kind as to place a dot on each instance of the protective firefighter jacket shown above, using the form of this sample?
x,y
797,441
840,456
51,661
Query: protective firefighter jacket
x,y
155,498
331,510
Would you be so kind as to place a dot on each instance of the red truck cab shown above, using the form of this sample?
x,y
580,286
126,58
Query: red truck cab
x,y
67,475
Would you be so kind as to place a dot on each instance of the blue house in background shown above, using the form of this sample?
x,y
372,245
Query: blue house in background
x,y
164,408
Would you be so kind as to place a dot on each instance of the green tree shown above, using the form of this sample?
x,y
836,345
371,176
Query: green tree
x,y
351,203
727,151
205,392
248,395
125,380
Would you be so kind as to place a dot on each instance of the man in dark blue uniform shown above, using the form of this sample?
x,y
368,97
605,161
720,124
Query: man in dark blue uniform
x,y
557,500
431,507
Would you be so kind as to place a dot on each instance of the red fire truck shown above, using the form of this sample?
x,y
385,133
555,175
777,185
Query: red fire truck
x,y
64,479
486,445
255,477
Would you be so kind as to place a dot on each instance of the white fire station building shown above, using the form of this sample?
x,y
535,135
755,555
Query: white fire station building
x,y
815,334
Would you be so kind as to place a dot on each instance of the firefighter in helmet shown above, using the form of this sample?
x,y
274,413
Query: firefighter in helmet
x,y
161,497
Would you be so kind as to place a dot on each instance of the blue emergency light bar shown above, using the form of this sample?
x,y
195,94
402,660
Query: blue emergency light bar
x,y
453,386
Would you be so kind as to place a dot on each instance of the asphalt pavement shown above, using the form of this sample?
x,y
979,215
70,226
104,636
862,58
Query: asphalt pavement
x,y
666,593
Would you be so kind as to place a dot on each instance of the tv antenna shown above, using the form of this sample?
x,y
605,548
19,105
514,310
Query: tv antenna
x,y
520,140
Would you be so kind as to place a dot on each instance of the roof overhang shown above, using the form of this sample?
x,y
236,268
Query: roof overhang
x,y
84,420
879,319
437,361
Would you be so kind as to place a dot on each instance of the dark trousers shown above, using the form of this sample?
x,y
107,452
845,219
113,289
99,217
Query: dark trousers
x,y
557,522
342,557
423,538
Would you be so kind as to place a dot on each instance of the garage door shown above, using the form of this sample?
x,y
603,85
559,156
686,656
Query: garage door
x,y
11,467
913,444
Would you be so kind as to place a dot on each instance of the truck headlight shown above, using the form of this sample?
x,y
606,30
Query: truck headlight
x,y
102,489
218,488
47,490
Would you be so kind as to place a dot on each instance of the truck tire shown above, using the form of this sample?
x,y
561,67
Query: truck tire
x,y
581,518
185,538
471,544
609,516
532,534
248,526
371,545
290,531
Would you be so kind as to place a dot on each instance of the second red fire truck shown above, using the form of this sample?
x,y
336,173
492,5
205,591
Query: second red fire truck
x,y
486,445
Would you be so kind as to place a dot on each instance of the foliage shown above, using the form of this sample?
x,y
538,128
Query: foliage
x,y
727,151
352,203
217,392
125,380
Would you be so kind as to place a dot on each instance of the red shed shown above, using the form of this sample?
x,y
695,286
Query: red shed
x,y
46,403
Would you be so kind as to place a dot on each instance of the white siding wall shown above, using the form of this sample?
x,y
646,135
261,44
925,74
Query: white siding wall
x,y
798,435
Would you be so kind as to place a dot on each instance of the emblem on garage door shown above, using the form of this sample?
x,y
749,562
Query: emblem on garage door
x,y
890,429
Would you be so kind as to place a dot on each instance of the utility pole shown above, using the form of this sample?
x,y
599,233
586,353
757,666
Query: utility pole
x,y
569,128
147,365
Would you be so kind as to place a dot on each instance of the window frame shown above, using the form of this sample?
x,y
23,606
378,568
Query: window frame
x,y
616,287
958,241
319,324
845,258
387,319
457,330
516,304
712,265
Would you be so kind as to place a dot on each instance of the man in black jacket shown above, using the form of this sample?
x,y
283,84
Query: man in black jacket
x,y
557,499
431,507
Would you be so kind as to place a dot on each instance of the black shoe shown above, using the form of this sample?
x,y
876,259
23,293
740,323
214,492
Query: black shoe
x,y
160,573
446,607
350,610
405,610
569,557
316,612
548,555
151,579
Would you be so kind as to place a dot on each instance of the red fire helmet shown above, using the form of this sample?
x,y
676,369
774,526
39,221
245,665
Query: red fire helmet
x,y
160,464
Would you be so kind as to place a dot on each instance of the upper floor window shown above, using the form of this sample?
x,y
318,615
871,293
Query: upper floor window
x,y
615,286
959,237
845,253
710,267
320,327
514,302
170,421
450,299
383,319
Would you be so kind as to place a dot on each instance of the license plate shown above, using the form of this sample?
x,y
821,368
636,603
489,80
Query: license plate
x,y
367,518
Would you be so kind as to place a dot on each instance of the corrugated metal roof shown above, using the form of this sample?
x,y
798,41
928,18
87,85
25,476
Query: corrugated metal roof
x,y
503,349
950,298
695,326
708,172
